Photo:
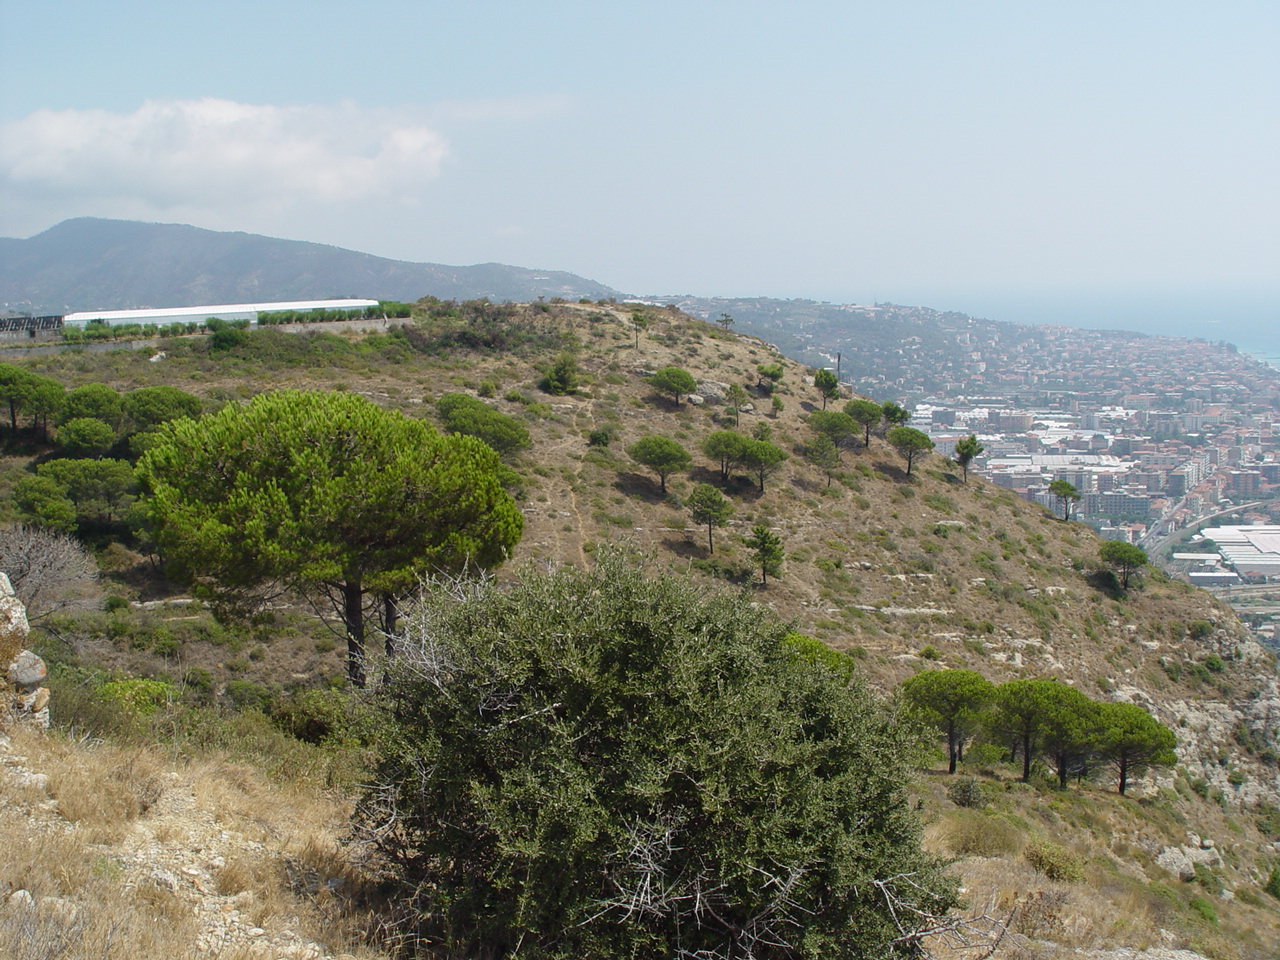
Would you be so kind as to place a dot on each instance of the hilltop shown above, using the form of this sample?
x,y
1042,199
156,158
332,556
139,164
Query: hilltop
x,y
904,573
94,264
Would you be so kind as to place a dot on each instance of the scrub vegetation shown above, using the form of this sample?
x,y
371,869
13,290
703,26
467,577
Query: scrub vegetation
x,y
895,561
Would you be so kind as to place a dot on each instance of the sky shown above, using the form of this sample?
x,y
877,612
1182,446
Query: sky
x,y
1024,161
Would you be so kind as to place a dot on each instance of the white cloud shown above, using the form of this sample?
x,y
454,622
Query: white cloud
x,y
218,156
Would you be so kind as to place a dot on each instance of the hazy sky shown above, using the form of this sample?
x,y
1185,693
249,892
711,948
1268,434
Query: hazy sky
x,y
907,151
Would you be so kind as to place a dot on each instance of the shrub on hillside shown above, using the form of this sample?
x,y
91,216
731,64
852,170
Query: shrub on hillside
x,y
1199,629
323,716
561,377
137,696
1272,886
606,763
460,413
1204,909
967,792
1054,862
974,834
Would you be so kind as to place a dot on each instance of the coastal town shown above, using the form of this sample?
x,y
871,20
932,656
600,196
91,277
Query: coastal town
x,y
1154,435
1153,439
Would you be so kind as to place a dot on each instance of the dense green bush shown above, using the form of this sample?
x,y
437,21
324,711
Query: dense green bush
x,y
460,413
137,696
248,695
324,716
561,377
85,437
815,651
148,407
967,792
611,764
1272,886
1204,909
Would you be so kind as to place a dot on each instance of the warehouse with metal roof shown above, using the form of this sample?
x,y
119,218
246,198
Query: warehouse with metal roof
x,y
1254,550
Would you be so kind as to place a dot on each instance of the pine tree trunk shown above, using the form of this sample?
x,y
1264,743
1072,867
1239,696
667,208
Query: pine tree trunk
x,y
353,620
390,622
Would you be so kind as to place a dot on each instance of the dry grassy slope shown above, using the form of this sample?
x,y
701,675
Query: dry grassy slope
x,y
123,853
886,566
875,563
878,564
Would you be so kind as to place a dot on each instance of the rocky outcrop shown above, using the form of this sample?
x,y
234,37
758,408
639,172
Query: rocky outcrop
x,y
712,391
28,699
13,622
1181,861
1223,740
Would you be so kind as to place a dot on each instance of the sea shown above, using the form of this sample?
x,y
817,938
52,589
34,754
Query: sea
x,y
1247,318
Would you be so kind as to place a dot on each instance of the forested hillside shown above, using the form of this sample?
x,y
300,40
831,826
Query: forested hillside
x,y
710,457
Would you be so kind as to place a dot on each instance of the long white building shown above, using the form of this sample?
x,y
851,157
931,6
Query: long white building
x,y
224,311
1252,550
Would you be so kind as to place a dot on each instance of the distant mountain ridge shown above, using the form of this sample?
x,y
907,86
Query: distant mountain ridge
x,y
95,264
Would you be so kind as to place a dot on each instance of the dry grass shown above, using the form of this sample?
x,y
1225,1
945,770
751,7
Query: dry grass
x,y
102,788
972,833
128,856
1072,917
1118,899
80,910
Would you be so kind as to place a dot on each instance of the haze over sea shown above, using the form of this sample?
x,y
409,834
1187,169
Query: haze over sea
x,y
1246,317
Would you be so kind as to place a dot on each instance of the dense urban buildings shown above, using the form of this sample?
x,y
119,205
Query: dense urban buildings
x,y
1156,434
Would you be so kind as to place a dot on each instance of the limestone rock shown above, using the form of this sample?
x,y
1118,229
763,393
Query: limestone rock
x,y
60,908
712,391
1207,856
164,878
1176,862
13,623
31,781
27,671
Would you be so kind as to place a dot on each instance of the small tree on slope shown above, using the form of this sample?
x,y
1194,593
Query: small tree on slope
x,y
966,449
1131,740
709,508
326,494
1065,492
1124,557
954,701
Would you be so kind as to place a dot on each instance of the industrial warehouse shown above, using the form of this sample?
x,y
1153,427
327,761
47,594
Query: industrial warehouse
x,y
1252,551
